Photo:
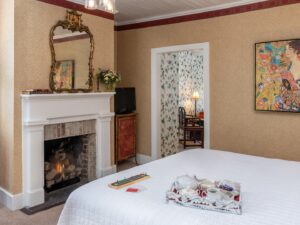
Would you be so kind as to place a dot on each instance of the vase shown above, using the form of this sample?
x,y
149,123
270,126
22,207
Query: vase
x,y
110,87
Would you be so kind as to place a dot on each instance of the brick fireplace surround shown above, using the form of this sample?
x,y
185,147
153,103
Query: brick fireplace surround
x,y
41,111
70,152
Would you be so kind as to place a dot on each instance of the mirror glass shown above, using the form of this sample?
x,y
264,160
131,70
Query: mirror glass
x,y
72,52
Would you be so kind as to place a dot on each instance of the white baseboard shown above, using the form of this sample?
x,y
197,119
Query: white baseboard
x,y
13,202
110,170
33,198
142,159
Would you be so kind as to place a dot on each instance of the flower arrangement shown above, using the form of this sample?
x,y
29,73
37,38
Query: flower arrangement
x,y
108,78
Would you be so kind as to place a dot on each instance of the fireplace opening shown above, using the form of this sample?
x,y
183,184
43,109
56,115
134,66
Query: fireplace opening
x,y
66,162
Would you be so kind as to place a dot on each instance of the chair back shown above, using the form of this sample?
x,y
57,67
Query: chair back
x,y
201,115
181,115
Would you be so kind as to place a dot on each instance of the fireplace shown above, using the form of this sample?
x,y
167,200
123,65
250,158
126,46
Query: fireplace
x,y
69,154
63,163
65,139
66,161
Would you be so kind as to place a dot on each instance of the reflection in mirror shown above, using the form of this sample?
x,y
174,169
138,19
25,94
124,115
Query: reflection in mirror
x,y
72,51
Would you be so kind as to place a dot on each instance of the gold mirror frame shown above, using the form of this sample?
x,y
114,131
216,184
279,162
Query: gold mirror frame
x,y
73,23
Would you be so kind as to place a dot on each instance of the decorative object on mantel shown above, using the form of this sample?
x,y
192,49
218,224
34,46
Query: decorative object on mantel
x,y
105,5
36,91
69,28
221,196
108,78
278,76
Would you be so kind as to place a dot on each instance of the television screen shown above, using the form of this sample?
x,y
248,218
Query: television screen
x,y
125,100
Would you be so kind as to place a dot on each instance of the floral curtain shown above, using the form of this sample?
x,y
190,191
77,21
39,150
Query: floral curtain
x,y
169,103
181,75
190,80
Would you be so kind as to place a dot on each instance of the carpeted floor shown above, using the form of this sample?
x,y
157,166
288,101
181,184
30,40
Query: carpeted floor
x,y
125,165
47,217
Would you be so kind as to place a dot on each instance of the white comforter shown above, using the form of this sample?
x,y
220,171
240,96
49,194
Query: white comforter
x,y
270,192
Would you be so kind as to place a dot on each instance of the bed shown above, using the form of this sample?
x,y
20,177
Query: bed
x,y
270,191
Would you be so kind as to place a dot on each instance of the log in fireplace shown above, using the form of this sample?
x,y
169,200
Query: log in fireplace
x,y
66,162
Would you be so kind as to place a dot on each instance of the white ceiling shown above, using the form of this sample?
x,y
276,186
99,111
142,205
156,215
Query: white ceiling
x,y
135,11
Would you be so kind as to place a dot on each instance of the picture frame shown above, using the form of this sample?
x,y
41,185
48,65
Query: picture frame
x,y
277,76
65,74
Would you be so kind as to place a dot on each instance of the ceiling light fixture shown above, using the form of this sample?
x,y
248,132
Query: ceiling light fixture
x,y
105,5
91,4
108,6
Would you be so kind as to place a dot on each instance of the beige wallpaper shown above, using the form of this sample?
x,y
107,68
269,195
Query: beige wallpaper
x,y
235,125
6,91
33,21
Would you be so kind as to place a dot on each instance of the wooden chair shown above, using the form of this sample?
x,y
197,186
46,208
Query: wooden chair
x,y
192,128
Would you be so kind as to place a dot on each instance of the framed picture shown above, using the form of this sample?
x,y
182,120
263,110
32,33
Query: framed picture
x,y
64,78
277,76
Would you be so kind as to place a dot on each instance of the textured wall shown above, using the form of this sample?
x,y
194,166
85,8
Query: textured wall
x,y
33,21
235,126
6,91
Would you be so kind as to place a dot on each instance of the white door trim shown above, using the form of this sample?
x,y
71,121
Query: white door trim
x,y
155,93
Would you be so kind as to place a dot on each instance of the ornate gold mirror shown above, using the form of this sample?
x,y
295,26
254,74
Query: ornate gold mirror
x,y
72,49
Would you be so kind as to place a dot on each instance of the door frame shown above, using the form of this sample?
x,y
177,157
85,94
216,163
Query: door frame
x,y
155,93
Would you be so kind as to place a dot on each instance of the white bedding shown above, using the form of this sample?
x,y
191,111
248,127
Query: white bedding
x,y
270,192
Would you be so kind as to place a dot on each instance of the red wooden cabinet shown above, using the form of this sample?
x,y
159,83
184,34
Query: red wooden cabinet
x,y
125,136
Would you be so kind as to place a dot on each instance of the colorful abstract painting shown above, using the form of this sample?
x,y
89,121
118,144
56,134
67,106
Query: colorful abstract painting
x,y
278,76
64,78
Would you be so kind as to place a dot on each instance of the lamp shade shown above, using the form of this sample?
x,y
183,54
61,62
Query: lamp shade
x,y
195,95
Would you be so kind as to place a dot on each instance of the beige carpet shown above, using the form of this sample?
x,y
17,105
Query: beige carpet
x,y
125,165
48,217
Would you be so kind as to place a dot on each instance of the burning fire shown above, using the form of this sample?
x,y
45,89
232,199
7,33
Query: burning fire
x,y
59,167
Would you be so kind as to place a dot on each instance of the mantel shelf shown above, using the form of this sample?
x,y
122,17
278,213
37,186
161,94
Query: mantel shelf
x,y
66,95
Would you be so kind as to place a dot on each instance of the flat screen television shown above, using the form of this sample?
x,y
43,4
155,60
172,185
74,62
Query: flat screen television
x,y
125,100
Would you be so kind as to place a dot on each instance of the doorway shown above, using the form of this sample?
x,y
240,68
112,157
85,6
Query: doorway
x,y
158,62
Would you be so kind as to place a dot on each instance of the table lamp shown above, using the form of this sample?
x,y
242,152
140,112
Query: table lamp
x,y
195,97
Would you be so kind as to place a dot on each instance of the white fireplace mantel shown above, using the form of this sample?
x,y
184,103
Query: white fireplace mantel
x,y
44,109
